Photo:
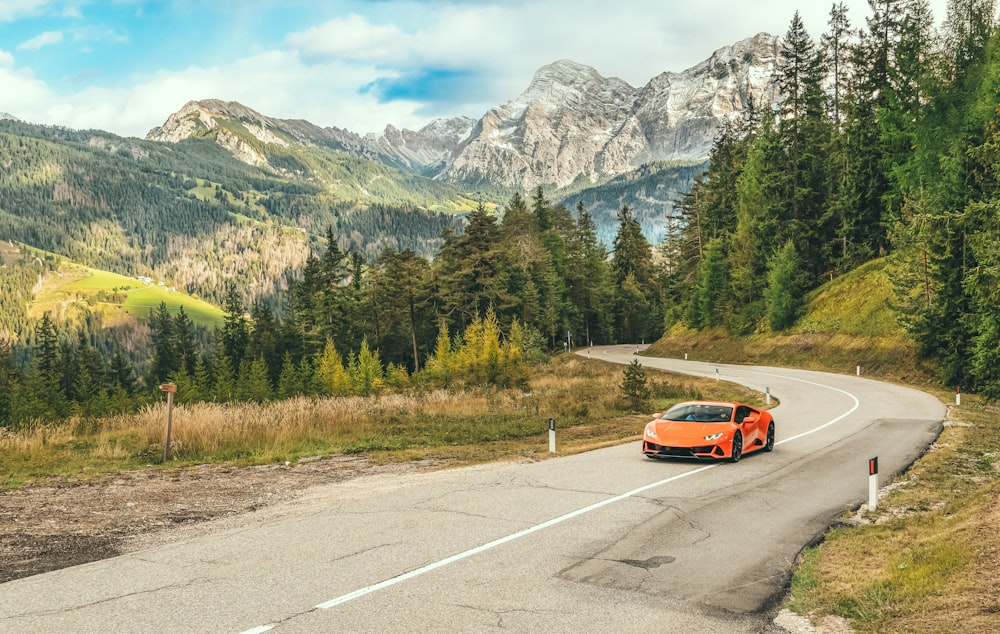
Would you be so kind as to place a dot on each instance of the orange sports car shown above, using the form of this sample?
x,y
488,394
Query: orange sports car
x,y
708,429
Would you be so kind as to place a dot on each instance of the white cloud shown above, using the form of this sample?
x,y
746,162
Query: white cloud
x,y
24,96
352,37
13,9
275,83
320,73
41,40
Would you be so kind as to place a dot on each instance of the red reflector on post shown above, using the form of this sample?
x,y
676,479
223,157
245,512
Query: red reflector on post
x,y
873,466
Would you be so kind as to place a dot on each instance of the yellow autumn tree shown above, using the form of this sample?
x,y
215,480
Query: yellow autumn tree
x,y
331,377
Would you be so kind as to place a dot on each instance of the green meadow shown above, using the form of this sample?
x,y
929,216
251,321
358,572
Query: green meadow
x,y
141,297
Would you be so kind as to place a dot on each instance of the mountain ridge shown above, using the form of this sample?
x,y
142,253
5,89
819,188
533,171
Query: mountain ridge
x,y
570,122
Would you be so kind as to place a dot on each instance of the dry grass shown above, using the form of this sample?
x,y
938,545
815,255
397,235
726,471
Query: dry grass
x,y
929,560
454,427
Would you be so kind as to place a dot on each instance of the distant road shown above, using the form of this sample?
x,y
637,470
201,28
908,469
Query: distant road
x,y
602,541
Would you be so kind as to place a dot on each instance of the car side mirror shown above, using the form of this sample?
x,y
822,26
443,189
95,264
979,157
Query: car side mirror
x,y
752,418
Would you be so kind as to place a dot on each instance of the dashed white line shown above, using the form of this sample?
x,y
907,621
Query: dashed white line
x,y
345,598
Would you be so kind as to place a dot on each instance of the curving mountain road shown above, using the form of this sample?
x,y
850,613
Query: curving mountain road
x,y
602,541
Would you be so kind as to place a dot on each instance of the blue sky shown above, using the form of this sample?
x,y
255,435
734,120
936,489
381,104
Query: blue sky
x,y
125,65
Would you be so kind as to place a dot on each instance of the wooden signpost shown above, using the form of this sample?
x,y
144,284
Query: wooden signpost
x,y
170,389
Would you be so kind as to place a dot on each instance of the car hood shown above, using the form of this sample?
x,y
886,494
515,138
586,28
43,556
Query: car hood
x,y
683,430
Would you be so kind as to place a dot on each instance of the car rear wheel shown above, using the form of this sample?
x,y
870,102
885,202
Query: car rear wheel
x,y
769,443
737,447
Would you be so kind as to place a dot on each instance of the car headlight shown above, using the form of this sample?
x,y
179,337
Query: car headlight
x,y
651,431
713,437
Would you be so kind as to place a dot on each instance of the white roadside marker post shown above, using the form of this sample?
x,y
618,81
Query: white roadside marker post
x,y
767,394
873,483
858,371
716,374
958,396
552,435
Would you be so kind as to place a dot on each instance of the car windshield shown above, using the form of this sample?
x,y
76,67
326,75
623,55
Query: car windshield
x,y
699,413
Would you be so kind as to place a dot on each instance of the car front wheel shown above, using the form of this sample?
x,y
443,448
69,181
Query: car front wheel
x,y
737,447
769,443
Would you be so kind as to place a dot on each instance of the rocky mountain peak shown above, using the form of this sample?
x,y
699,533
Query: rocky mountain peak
x,y
571,121
565,80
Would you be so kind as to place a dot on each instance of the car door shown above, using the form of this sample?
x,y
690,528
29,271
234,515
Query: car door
x,y
751,431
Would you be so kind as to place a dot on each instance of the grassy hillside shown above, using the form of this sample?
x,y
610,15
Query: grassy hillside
x,y
115,295
847,321
926,560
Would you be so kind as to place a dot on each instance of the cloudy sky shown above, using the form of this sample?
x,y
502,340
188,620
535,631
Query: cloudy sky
x,y
125,65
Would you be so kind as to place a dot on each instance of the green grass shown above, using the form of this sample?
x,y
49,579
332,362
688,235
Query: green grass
x,y
926,560
134,296
856,304
847,321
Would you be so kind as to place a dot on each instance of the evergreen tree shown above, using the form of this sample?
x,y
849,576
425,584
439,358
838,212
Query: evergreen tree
x,y
185,341
188,389
290,382
366,372
254,385
634,386
634,278
331,378
805,134
235,331
836,43
470,270
224,388
783,294
10,376
264,339
165,356
710,301
588,281
121,374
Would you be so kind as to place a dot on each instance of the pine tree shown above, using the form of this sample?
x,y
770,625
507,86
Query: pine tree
x,y
710,298
254,385
185,341
783,293
805,134
588,280
121,374
289,381
165,357
366,372
235,330
10,376
331,378
224,388
634,278
634,387
835,45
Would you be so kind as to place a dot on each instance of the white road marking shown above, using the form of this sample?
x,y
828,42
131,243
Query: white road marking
x,y
503,540
562,518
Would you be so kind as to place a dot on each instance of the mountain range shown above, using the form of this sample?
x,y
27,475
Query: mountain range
x,y
570,127
222,194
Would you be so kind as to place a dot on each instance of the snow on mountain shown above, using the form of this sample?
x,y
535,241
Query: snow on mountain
x,y
570,122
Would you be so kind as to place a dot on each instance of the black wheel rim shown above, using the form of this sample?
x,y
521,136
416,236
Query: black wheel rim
x,y
737,446
770,437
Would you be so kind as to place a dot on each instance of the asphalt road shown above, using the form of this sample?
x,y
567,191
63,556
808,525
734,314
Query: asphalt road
x,y
597,542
